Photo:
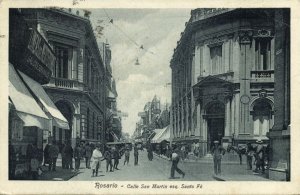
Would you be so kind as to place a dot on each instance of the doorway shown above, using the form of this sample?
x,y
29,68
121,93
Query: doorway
x,y
215,117
215,130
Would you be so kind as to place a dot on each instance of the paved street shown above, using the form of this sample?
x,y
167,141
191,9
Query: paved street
x,y
158,169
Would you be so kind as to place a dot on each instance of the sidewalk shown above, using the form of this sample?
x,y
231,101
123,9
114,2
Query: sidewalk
x,y
59,175
240,177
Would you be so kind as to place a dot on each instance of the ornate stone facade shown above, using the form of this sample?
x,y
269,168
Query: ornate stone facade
x,y
225,60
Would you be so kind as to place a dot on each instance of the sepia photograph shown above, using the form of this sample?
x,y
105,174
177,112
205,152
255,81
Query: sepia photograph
x,y
172,97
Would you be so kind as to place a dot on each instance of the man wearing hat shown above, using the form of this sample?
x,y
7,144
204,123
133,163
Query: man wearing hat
x,y
175,160
259,155
218,151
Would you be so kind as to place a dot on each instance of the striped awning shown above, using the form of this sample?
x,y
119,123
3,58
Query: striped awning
x,y
59,120
26,106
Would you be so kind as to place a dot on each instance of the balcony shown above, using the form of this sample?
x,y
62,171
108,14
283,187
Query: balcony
x,y
65,84
29,51
262,76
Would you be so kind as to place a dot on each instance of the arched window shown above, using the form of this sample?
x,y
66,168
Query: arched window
x,y
262,118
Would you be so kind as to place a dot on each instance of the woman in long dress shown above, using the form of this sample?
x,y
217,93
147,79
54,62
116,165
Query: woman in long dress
x,y
96,160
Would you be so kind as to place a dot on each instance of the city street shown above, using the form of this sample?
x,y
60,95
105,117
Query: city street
x,y
157,169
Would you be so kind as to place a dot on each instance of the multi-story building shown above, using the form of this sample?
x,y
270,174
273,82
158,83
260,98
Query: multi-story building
x,y
113,126
280,133
223,77
77,84
32,114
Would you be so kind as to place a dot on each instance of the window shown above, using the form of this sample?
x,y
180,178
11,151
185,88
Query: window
x,y
262,54
66,62
262,116
216,59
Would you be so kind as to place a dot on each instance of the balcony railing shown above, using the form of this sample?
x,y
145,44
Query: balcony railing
x,y
262,76
225,76
65,83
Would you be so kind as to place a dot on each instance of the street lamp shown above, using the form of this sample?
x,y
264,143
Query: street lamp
x,y
137,62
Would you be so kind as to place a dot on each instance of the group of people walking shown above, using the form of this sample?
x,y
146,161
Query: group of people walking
x,y
112,155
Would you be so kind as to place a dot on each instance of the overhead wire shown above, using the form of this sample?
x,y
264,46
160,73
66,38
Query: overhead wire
x,y
140,46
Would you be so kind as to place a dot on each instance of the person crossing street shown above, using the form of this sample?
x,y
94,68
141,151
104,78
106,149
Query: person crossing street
x,y
175,160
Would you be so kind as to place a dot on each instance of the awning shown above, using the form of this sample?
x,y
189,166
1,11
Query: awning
x,y
111,94
157,135
26,106
116,139
165,135
59,120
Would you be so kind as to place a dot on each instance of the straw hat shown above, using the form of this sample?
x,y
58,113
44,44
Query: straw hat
x,y
216,142
259,141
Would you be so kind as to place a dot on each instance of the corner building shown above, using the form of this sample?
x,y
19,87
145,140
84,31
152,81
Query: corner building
x,y
77,84
223,78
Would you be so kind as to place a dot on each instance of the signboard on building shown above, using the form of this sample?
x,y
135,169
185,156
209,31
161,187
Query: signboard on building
x,y
29,51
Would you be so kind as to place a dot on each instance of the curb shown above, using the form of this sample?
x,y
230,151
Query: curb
x,y
218,178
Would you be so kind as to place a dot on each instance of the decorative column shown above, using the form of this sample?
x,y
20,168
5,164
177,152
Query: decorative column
x,y
232,111
227,118
246,60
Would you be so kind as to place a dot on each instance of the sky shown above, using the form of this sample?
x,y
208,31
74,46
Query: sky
x,y
158,30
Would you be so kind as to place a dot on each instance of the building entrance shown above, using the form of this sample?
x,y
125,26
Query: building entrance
x,y
215,116
215,130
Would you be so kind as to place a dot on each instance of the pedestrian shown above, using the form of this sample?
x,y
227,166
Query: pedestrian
x,y
29,152
108,158
259,156
150,152
53,154
96,160
12,161
127,155
63,157
34,162
218,151
46,155
175,160
88,155
116,157
250,153
77,156
136,155
68,153
183,153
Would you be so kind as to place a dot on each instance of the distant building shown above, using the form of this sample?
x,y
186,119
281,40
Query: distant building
x,y
152,118
223,78
77,82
